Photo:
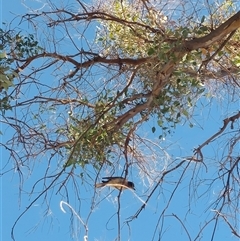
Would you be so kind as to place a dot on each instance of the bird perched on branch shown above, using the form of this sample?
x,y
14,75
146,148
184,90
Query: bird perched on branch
x,y
117,182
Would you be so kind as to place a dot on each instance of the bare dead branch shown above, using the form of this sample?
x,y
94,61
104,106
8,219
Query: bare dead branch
x,y
225,124
228,223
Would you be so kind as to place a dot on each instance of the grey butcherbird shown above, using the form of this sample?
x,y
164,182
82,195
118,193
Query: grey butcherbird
x,y
117,182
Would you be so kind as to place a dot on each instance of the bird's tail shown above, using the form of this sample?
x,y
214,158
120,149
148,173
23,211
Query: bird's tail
x,y
100,185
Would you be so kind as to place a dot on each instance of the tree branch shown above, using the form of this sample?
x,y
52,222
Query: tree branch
x,y
218,34
225,124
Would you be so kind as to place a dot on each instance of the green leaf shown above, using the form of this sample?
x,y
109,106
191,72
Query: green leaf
x,y
165,110
176,103
202,19
185,32
184,57
153,129
151,51
160,123
3,55
184,112
201,91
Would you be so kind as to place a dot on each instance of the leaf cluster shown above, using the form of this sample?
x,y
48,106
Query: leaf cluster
x,y
138,35
93,138
13,46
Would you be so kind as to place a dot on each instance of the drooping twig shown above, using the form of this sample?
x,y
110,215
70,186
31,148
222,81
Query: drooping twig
x,y
198,151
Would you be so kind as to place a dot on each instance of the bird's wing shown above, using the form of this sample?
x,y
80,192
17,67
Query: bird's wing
x,y
112,178
100,185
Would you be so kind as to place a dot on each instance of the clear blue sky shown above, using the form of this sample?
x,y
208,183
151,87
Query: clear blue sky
x,y
47,223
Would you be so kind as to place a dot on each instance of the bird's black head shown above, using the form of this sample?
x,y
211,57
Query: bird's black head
x,y
131,185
